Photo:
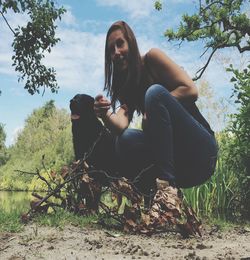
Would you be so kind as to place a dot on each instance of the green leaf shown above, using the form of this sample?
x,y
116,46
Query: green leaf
x,y
158,5
233,79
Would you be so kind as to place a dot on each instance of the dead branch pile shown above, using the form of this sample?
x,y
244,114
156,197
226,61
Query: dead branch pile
x,y
79,189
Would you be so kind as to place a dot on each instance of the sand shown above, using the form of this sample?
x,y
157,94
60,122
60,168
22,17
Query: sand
x,y
40,242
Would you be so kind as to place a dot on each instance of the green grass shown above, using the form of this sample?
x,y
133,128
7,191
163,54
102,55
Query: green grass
x,y
62,218
216,195
10,222
225,225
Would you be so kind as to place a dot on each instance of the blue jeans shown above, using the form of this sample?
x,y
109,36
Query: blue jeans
x,y
180,148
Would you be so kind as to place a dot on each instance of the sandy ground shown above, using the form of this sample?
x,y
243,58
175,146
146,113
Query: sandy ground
x,y
93,243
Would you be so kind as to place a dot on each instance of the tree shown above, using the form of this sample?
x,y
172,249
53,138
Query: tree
x,y
239,156
240,123
46,138
33,40
3,150
219,24
214,109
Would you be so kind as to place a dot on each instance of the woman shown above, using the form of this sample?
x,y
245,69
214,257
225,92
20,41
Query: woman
x,y
175,138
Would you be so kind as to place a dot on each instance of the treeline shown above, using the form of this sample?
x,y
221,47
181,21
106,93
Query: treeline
x,y
45,140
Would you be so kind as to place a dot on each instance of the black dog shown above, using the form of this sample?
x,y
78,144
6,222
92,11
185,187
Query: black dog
x,y
92,141
86,130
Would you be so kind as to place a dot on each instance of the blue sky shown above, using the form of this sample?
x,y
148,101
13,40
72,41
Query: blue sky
x,y
79,57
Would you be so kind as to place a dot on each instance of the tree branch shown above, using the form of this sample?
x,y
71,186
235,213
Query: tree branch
x,y
205,51
6,21
201,28
201,70
58,188
25,172
242,49
202,10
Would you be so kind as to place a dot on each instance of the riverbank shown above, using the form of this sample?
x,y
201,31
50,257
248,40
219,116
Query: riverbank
x,y
42,242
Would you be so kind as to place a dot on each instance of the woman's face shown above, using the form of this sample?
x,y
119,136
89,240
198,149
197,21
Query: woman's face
x,y
118,49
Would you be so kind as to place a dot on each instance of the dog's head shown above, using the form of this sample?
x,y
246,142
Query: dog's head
x,y
82,105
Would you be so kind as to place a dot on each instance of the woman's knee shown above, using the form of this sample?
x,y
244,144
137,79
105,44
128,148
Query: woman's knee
x,y
128,139
123,141
154,93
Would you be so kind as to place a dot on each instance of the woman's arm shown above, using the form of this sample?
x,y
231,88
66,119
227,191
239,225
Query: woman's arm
x,y
167,73
116,122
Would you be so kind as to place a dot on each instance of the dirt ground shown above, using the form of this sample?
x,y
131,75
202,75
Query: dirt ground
x,y
37,242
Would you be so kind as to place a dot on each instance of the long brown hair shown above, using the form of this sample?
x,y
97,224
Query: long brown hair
x,y
124,87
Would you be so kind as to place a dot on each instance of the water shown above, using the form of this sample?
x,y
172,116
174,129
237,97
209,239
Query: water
x,y
15,201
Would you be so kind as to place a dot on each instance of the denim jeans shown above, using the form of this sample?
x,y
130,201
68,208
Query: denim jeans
x,y
180,148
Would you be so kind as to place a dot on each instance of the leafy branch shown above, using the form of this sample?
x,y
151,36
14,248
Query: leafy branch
x,y
33,40
220,24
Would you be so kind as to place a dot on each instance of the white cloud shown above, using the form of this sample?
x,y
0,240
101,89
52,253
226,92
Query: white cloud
x,y
6,61
79,60
6,34
180,2
135,9
248,13
68,18
79,57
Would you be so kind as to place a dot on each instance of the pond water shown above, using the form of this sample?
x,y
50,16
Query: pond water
x,y
15,201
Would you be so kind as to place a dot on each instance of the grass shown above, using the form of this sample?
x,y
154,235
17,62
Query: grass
x,y
10,222
225,225
62,218
215,196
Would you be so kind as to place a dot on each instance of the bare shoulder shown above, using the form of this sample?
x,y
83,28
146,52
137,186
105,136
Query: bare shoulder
x,y
167,72
158,57
159,61
155,53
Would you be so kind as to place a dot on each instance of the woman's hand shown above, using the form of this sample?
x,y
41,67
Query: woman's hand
x,y
101,105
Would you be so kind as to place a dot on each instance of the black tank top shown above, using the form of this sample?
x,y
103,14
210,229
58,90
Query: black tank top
x,y
191,107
